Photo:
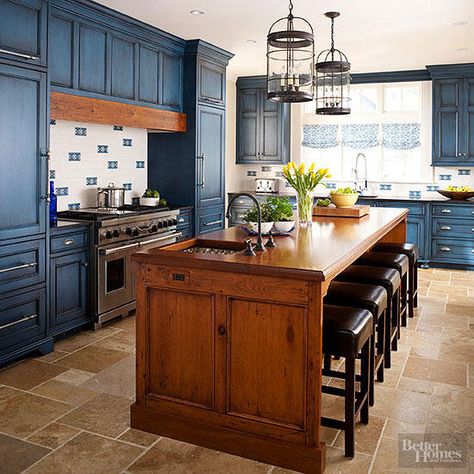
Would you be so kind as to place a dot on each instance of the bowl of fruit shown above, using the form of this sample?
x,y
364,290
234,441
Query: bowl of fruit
x,y
459,193
344,197
151,197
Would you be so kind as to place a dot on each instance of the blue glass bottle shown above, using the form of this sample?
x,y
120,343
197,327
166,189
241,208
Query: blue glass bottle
x,y
53,205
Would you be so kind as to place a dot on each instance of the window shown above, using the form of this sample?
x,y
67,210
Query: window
x,y
389,123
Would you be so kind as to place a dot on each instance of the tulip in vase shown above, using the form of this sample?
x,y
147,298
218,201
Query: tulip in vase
x,y
304,183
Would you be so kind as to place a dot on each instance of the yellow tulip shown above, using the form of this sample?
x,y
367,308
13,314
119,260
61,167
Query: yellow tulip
x,y
328,175
291,165
301,168
311,168
320,171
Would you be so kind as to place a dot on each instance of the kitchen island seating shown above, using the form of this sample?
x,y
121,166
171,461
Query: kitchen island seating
x,y
374,299
347,333
411,251
390,279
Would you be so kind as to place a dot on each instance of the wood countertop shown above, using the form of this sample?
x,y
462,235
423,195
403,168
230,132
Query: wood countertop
x,y
318,253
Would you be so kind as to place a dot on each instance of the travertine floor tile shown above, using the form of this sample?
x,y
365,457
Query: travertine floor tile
x,y
436,371
74,376
53,435
88,454
64,392
29,373
120,341
83,339
141,438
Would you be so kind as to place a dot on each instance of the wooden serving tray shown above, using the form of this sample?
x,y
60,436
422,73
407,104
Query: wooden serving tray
x,y
354,211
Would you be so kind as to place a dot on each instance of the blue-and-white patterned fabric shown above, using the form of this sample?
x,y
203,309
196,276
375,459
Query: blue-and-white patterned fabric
x,y
360,135
320,136
401,136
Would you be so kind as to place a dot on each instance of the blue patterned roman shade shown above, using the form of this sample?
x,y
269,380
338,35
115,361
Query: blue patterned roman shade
x,y
359,135
401,136
320,136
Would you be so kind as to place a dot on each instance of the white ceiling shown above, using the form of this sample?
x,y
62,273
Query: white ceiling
x,y
376,35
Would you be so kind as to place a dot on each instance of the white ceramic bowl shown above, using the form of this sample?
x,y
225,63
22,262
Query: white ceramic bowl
x,y
284,226
266,226
149,201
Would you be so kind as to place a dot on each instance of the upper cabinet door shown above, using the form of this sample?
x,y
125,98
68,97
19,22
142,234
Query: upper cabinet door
x,y
447,128
149,75
211,155
61,51
123,68
172,81
23,100
211,83
248,125
468,121
23,30
270,143
92,60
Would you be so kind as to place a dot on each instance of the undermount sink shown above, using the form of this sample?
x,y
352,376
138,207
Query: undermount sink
x,y
207,247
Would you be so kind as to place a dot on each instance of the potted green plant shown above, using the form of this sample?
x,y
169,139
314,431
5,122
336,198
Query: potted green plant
x,y
251,218
283,215
151,197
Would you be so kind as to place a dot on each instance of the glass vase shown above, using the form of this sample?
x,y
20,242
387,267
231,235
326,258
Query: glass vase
x,y
305,208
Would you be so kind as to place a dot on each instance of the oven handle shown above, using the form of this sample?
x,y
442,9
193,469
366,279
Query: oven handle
x,y
159,239
118,249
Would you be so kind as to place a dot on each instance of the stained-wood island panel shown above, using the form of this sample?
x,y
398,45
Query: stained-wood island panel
x,y
229,347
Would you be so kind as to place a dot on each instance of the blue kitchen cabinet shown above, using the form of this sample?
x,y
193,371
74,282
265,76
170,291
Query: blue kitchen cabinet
x,y
23,135
185,223
149,75
263,126
124,70
211,82
23,31
61,51
171,82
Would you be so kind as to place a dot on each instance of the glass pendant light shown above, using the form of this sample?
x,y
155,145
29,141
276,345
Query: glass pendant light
x,y
332,79
290,60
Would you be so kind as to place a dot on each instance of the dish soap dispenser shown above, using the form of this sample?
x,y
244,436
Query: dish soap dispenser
x,y
53,206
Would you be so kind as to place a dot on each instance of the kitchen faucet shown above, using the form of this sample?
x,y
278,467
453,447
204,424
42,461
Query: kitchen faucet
x,y
355,171
259,246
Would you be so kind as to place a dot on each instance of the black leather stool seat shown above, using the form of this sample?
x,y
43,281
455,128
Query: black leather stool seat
x,y
389,278
360,295
391,260
410,250
345,330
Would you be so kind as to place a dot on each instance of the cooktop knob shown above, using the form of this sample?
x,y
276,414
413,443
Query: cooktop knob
x,y
170,222
160,225
165,224
175,221
154,228
135,232
108,235
116,233
128,231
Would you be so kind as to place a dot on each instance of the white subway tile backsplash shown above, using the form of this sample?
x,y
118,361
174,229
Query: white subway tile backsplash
x,y
85,156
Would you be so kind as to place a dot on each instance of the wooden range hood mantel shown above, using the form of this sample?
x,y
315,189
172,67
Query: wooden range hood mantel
x,y
84,109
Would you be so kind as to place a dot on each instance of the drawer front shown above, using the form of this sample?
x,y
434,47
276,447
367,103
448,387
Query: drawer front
x,y
453,228
237,215
211,219
22,265
211,87
184,218
65,242
447,250
415,208
22,319
186,233
449,210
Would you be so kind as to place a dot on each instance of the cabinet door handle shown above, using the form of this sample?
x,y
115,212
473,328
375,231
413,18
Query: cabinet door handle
x,y
19,55
446,211
180,219
445,227
68,242
221,330
445,249
201,171
212,223
85,264
18,267
25,318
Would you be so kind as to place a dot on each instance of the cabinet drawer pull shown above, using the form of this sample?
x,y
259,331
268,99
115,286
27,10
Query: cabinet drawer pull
x,y
446,211
180,219
212,223
20,55
445,249
25,318
445,227
68,242
18,267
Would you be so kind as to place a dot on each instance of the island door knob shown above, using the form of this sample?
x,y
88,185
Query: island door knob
x,y
221,330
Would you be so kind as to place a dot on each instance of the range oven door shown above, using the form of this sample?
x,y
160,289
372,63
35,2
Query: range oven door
x,y
114,287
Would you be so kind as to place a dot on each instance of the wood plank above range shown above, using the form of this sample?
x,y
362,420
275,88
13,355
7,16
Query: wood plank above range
x,y
85,109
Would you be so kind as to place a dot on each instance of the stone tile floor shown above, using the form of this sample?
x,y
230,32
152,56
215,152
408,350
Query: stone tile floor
x,y
68,412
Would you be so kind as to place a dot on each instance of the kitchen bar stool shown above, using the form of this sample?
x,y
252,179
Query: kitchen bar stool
x,y
400,263
346,333
374,299
411,251
390,279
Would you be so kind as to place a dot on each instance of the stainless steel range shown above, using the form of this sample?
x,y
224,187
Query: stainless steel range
x,y
116,234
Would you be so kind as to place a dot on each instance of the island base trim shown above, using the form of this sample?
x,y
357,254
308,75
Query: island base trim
x,y
302,458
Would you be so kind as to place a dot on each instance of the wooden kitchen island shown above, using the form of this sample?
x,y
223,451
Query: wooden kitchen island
x,y
229,347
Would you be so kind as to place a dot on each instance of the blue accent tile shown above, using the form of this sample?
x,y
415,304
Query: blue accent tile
x,y
140,164
331,185
135,201
52,174
80,131
464,172
91,181
102,148
266,168
385,187
74,156
414,194
52,122
279,174
251,173
127,142
118,128
432,187
74,206
445,177
64,191
127,186
112,165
